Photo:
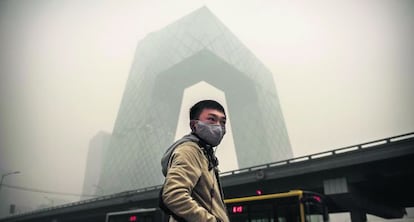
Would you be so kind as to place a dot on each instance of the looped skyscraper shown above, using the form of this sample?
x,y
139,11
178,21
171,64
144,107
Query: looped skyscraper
x,y
196,48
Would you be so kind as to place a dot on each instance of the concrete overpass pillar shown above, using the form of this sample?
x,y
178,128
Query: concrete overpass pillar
x,y
358,216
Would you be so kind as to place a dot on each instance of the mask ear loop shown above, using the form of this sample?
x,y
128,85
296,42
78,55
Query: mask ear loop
x,y
193,122
224,130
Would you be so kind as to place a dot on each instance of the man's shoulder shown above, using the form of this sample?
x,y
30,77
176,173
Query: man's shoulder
x,y
188,147
191,153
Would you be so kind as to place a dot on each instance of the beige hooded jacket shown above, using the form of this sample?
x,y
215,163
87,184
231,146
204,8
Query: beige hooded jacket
x,y
191,191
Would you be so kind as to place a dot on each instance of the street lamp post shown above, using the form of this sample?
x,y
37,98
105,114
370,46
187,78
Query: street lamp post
x,y
5,175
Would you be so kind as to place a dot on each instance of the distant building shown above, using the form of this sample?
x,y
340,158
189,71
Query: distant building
x,y
97,148
196,48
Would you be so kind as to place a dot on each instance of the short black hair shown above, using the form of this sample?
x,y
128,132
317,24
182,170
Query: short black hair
x,y
197,108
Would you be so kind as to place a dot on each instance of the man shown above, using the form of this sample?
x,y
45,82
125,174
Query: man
x,y
192,190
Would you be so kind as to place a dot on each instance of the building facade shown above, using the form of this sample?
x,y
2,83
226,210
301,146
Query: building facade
x,y
196,48
98,146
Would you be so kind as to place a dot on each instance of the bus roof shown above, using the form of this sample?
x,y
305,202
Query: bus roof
x,y
291,193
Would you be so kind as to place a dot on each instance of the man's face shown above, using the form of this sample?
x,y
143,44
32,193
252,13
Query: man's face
x,y
213,116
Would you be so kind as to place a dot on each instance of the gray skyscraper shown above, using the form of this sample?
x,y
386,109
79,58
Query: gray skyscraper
x,y
97,148
196,48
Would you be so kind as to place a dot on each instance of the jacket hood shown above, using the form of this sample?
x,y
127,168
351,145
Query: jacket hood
x,y
167,155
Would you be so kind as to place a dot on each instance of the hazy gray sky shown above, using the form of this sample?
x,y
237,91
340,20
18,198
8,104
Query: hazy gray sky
x,y
343,71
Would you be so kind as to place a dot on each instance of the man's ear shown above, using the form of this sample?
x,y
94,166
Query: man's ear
x,y
192,125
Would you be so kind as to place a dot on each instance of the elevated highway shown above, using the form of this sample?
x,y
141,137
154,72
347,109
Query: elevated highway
x,y
373,178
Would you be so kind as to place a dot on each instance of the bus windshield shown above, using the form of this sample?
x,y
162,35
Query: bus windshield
x,y
315,209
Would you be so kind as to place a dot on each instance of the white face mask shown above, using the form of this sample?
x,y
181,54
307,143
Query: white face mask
x,y
210,133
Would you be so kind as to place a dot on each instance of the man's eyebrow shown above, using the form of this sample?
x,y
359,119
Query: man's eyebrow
x,y
214,115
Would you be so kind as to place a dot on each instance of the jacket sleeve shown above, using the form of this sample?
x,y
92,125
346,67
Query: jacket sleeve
x,y
182,176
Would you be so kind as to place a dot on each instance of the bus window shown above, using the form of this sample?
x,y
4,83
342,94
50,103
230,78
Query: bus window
x,y
261,212
288,213
315,210
288,209
314,218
